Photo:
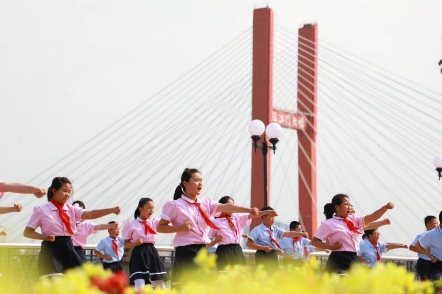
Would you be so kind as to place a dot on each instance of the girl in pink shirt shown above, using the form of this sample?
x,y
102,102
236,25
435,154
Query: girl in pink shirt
x,y
146,266
85,228
229,252
57,221
343,230
189,215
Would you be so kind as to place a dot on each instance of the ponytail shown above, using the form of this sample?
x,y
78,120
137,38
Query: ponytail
x,y
178,193
185,177
136,213
50,194
329,210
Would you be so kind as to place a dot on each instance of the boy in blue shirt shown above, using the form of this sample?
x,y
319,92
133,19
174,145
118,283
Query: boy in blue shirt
x,y
111,250
263,239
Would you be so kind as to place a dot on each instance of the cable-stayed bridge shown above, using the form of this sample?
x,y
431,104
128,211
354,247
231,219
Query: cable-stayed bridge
x,y
376,134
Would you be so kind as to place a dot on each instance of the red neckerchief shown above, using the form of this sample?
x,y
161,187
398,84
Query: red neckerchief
x,y
376,247
203,214
147,229
64,216
232,225
273,240
306,252
115,246
351,226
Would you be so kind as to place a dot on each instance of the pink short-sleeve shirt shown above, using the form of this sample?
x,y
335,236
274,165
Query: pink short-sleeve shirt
x,y
240,221
335,229
47,218
134,230
84,229
181,210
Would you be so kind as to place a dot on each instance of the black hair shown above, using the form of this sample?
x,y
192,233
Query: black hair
x,y
329,208
112,222
57,183
367,233
185,177
266,208
80,203
224,199
141,203
428,219
294,225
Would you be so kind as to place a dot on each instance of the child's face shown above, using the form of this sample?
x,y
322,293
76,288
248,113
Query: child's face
x,y
297,229
194,186
114,232
63,194
433,224
147,210
268,220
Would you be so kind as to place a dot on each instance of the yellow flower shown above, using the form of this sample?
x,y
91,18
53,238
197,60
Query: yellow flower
x,y
205,260
384,278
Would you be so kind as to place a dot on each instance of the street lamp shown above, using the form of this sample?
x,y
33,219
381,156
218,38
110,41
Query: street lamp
x,y
437,161
272,131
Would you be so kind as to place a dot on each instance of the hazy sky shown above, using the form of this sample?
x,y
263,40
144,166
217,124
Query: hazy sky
x,y
69,69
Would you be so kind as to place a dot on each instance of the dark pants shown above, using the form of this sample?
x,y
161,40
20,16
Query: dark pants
x,y
115,267
269,260
436,271
340,261
423,269
230,254
80,252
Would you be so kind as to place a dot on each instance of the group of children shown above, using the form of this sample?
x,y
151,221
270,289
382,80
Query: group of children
x,y
198,223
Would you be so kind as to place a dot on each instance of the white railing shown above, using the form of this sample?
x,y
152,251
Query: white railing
x,y
35,246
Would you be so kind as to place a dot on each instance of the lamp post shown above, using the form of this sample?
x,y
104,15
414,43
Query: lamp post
x,y
272,131
437,161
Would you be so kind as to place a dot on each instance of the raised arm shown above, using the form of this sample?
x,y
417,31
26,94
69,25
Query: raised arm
x,y
378,213
15,208
294,234
391,246
232,208
97,213
106,227
22,189
377,224
262,213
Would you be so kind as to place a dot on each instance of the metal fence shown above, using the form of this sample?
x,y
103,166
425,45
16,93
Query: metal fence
x,y
18,263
